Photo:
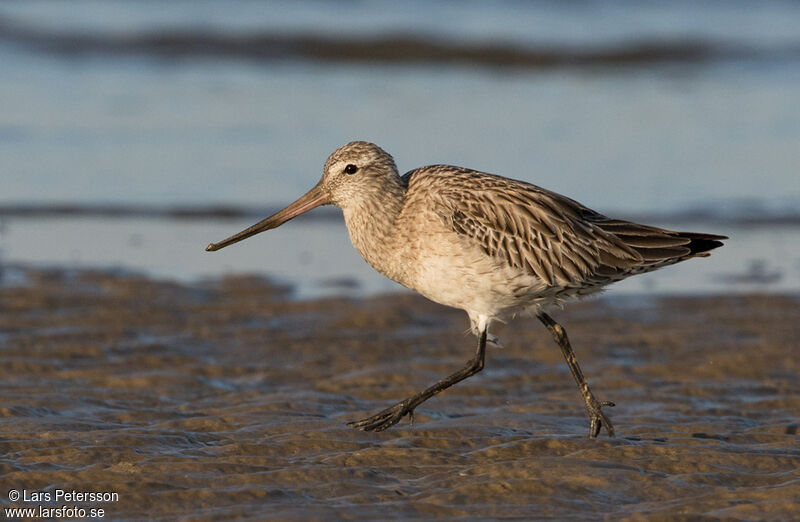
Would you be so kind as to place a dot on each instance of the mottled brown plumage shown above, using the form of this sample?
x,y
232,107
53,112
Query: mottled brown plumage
x,y
492,246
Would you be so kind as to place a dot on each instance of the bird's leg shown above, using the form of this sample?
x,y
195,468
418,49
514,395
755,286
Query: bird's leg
x,y
392,415
593,406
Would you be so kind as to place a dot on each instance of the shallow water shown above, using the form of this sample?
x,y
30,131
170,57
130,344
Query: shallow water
x,y
207,126
315,255
226,400
124,104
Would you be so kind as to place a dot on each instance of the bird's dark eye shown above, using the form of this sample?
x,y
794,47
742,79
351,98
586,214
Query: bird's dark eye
x,y
350,169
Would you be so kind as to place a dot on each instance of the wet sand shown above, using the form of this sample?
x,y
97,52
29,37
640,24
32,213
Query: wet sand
x,y
227,398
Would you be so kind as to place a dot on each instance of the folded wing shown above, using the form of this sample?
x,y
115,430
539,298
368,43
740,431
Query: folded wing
x,y
555,238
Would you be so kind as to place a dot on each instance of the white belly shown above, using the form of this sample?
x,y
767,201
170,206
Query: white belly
x,y
464,277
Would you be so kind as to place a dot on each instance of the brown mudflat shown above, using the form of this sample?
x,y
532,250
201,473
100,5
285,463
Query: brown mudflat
x,y
228,399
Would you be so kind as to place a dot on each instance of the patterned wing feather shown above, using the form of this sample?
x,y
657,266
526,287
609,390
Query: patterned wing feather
x,y
554,238
532,229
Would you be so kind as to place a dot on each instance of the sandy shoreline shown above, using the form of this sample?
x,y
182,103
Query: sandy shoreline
x,y
228,399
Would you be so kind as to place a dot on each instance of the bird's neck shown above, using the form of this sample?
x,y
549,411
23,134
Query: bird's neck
x,y
371,224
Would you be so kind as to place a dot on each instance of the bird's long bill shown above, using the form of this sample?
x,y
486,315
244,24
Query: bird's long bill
x,y
313,198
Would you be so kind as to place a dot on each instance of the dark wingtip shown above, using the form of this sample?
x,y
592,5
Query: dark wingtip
x,y
701,244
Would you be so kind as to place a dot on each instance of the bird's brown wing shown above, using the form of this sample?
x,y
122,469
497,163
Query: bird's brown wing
x,y
548,235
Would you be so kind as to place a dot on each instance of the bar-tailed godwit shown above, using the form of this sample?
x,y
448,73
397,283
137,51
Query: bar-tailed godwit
x,y
491,246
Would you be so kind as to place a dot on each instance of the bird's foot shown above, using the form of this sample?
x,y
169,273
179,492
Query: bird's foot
x,y
598,419
387,418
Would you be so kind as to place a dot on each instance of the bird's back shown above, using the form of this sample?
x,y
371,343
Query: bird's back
x,y
563,244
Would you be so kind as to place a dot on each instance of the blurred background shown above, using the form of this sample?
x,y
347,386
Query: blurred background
x,y
133,133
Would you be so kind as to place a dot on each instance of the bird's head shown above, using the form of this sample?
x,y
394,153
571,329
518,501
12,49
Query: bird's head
x,y
355,171
352,173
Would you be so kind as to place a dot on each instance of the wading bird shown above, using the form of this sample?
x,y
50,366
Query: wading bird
x,y
491,246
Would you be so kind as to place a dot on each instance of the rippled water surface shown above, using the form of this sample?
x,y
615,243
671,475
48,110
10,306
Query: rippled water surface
x,y
227,400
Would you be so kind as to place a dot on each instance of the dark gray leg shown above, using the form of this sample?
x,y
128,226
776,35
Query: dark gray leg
x,y
392,415
593,406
